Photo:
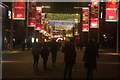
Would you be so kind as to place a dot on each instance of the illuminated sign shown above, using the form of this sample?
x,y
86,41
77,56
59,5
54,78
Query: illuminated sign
x,y
31,22
42,21
94,14
94,23
31,19
38,18
42,27
38,25
85,20
19,10
111,11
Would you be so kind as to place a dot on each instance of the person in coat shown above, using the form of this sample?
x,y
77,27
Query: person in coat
x,y
36,49
53,50
90,55
69,57
44,54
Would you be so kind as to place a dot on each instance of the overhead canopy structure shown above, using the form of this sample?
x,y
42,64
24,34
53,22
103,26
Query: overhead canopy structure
x,y
62,7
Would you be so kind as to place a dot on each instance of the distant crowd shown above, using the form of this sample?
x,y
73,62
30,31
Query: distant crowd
x,y
43,49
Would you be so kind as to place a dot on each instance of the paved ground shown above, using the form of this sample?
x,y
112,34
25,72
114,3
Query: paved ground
x,y
18,65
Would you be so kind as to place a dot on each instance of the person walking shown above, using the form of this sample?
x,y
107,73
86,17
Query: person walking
x,y
53,50
69,57
90,55
36,52
44,54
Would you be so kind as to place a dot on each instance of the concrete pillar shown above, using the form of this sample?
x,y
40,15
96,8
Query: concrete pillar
x,y
0,41
118,30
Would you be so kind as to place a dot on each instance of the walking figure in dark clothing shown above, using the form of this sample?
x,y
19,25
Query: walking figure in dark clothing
x,y
36,52
44,54
53,50
69,58
90,55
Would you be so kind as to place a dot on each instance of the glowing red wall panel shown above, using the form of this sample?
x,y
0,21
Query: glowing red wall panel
x,y
19,10
31,22
111,11
31,19
37,26
38,18
85,20
94,18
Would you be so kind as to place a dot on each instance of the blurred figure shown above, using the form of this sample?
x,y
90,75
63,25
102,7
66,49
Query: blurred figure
x,y
53,50
69,57
44,54
36,52
59,44
90,55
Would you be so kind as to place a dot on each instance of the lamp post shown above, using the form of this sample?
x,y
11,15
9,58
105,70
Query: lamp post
x,y
11,35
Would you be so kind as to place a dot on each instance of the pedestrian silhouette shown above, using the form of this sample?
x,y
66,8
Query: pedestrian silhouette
x,y
44,54
53,50
69,58
90,55
36,52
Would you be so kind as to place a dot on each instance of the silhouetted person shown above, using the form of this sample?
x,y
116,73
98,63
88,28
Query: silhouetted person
x,y
53,50
36,52
44,54
69,57
90,55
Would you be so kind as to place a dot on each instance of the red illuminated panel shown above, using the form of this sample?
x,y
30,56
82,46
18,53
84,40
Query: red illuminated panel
x,y
85,27
94,23
37,27
19,13
31,22
42,27
94,14
31,14
85,15
38,18
111,11
43,14
19,10
39,9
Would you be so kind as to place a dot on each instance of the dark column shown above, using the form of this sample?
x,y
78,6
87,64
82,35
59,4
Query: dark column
x,y
30,35
25,24
80,27
85,38
93,32
11,35
118,31
0,42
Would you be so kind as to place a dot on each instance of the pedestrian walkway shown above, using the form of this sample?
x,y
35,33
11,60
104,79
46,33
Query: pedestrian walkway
x,y
18,65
